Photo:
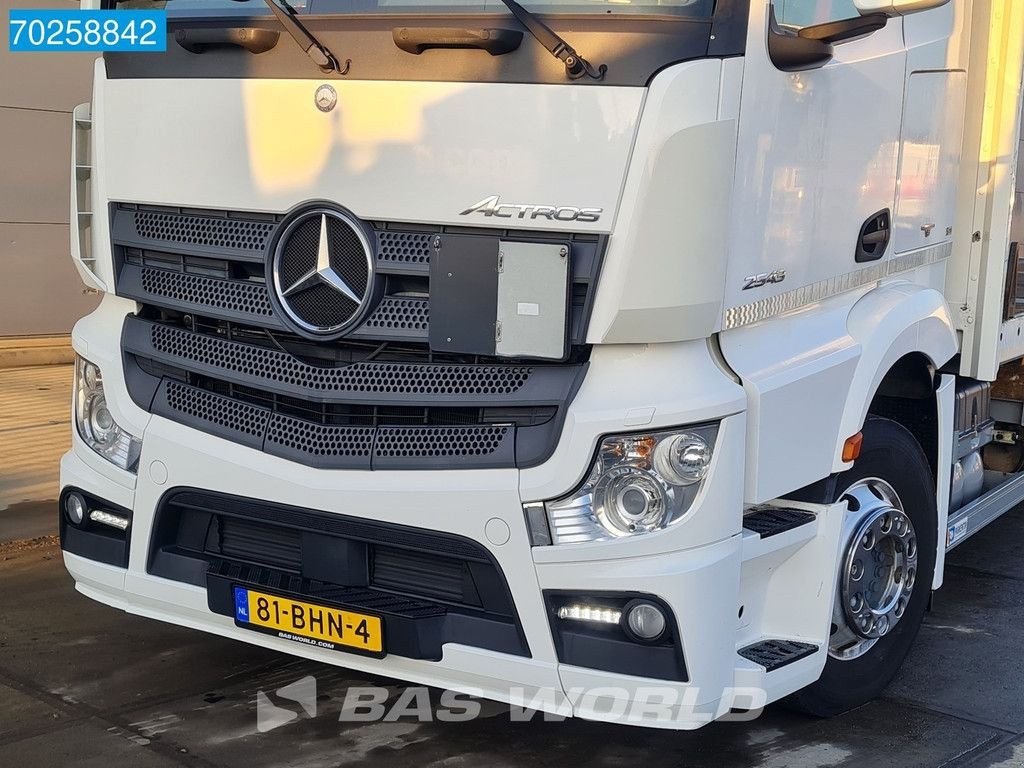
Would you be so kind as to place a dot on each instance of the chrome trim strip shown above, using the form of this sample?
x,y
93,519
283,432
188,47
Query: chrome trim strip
x,y
798,298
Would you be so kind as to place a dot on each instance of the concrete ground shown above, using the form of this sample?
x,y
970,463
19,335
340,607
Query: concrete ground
x,y
82,684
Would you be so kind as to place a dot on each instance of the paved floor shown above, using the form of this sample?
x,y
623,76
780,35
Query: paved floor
x,y
86,685
35,418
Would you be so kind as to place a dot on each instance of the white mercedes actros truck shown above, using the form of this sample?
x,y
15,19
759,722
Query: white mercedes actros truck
x,y
557,352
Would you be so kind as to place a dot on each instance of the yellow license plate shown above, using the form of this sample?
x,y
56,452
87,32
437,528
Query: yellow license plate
x,y
308,623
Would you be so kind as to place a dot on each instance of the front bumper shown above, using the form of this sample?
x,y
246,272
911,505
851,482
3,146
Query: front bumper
x,y
694,567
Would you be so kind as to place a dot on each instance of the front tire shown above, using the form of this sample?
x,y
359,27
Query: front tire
x,y
886,567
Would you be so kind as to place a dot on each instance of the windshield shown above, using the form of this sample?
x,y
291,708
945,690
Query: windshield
x,y
683,8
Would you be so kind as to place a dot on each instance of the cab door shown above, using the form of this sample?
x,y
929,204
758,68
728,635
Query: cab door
x,y
817,162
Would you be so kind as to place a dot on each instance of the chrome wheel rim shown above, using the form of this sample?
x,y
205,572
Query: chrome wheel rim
x,y
878,568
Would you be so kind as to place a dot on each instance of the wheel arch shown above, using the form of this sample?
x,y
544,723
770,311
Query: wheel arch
x,y
905,334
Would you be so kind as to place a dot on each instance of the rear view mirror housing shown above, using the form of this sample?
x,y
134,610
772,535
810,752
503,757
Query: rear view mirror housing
x,y
796,50
897,7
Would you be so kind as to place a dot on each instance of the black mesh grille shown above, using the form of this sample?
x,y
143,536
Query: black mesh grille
x,y
439,442
322,441
223,254
348,255
212,346
214,409
278,367
232,295
401,314
329,445
323,307
300,254
404,247
202,230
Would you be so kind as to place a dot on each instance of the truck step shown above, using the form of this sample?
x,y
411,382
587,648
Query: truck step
x,y
775,654
771,521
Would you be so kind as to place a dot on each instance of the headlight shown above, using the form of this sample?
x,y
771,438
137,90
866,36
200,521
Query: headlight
x,y
95,422
637,484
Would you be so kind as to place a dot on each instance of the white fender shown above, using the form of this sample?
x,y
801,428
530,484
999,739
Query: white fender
x,y
810,377
889,323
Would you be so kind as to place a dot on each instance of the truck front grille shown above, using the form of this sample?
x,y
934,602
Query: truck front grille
x,y
207,349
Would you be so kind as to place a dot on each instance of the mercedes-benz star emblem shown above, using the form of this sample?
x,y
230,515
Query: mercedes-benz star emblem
x,y
322,272
326,98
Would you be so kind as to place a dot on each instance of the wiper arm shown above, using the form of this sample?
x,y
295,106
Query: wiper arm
x,y
576,66
312,47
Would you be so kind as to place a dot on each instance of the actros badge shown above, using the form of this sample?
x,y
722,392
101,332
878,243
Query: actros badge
x,y
493,207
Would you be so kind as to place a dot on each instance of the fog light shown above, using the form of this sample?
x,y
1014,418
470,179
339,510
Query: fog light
x,y
108,518
74,508
590,613
645,621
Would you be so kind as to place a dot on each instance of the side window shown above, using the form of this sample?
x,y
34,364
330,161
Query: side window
x,y
806,13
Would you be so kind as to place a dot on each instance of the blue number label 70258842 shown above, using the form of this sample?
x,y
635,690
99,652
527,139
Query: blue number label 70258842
x,y
77,30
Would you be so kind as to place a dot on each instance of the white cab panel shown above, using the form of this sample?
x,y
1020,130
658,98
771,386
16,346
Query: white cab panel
x,y
664,273
929,159
811,376
797,372
397,151
818,154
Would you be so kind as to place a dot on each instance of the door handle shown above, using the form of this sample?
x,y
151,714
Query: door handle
x,y
874,237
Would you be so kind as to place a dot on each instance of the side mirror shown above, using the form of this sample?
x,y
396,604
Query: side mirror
x,y
794,50
897,7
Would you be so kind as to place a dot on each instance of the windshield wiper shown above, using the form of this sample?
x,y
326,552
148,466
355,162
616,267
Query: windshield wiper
x,y
312,47
576,66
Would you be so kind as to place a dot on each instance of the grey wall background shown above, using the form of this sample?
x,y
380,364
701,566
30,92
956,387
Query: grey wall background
x,y
40,292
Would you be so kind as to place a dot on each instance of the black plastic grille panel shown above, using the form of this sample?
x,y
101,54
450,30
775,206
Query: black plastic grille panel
x,y
204,349
411,316
269,545
404,247
214,409
320,440
232,295
369,378
396,569
439,442
336,525
203,230
368,599
337,446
